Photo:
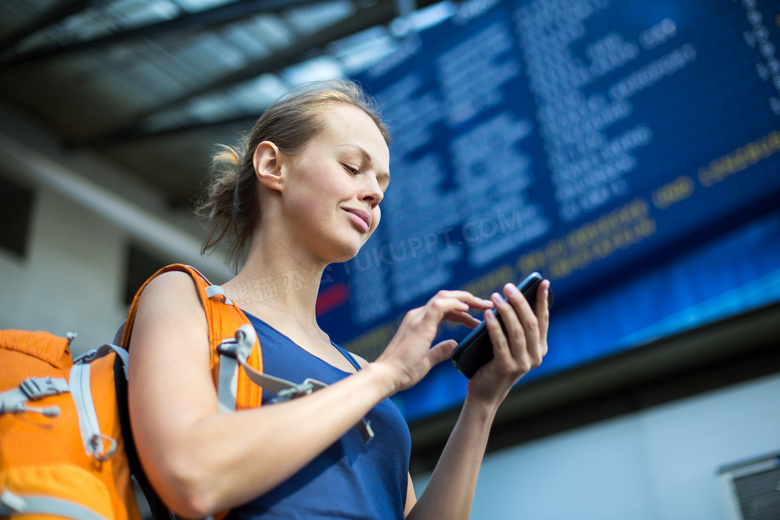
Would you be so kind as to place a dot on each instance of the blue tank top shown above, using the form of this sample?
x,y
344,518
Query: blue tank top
x,y
349,480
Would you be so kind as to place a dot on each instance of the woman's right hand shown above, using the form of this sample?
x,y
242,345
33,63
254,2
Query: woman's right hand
x,y
409,356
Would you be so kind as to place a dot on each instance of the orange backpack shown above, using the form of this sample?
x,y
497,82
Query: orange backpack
x,y
61,449
65,441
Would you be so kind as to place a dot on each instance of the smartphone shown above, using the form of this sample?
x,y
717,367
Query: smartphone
x,y
476,350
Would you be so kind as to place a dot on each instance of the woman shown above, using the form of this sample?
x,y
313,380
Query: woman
x,y
306,194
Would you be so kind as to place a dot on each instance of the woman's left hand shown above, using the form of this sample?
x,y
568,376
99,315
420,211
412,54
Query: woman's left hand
x,y
516,352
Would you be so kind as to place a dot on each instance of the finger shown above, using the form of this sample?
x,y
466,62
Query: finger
x,y
450,305
520,304
474,302
501,352
543,312
515,331
463,318
426,320
442,351
443,305
532,343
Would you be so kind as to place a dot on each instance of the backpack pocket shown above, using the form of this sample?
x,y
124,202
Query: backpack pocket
x,y
52,492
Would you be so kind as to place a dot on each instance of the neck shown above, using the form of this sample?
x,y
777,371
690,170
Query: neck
x,y
278,281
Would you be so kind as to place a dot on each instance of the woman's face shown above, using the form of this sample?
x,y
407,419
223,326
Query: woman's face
x,y
333,188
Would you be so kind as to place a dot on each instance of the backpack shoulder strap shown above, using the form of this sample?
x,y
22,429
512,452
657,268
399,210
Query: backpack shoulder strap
x,y
234,388
224,318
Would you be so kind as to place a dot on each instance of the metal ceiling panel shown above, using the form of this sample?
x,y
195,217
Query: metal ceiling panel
x,y
21,19
193,6
246,37
212,56
139,13
258,93
309,19
273,31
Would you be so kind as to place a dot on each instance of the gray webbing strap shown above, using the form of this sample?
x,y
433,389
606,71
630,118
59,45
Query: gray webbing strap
x,y
227,380
229,361
227,385
100,446
85,407
119,333
96,353
11,504
239,348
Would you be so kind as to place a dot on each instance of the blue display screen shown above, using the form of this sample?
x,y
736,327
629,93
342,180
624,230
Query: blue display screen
x,y
593,141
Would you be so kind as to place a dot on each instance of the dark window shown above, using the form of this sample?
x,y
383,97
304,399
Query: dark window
x,y
16,205
758,495
140,266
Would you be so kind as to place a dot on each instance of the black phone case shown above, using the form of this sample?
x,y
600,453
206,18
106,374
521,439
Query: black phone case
x,y
475,350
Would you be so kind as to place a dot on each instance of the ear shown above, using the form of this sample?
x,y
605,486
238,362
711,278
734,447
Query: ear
x,y
266,160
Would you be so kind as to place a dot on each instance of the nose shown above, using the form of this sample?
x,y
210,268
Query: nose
x,y
372,192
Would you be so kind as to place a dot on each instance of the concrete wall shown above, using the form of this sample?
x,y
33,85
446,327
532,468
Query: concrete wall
x,y
85,213
72,277
657,464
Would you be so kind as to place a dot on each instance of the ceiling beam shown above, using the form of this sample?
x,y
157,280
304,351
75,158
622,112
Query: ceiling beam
x,y
138,133
160,235
378,14
56,14
210,18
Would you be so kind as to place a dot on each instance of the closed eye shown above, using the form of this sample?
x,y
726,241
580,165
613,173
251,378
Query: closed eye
x,y
351,170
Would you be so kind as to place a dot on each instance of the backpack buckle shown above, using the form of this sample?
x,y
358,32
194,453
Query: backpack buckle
x,y
39,387
239,346
307,387
103,447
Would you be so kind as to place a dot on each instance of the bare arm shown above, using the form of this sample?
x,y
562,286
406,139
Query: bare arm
x,y
450,491
202,461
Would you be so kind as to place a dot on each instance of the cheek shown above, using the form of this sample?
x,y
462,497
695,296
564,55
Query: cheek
x,y
376,216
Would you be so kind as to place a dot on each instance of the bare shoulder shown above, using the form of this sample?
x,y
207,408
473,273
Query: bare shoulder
x,y
170,301
171,292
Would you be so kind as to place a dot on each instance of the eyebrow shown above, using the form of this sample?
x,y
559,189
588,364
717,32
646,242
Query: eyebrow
x,y
382,175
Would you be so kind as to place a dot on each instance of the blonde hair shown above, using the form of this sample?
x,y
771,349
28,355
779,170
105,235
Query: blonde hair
x,y
231,204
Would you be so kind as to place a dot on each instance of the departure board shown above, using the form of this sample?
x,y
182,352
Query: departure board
x,y
585,139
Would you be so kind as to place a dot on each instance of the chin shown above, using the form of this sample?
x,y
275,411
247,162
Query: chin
x,y
343,252
343,246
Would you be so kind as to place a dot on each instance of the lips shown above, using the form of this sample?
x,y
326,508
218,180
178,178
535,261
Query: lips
x,y
362,219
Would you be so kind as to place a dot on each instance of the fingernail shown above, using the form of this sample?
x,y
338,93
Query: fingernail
x,y
510,288
495,297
